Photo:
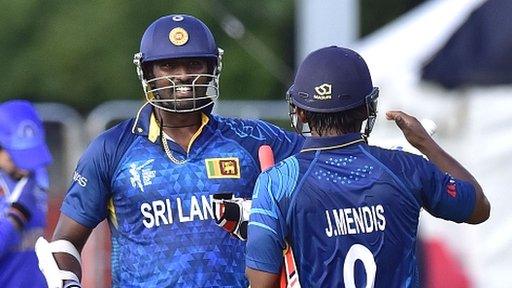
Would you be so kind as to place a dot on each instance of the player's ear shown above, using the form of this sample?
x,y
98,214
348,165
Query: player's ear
x,y
301,114
147,68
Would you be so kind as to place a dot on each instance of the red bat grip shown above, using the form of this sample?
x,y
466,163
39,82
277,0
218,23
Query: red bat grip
x,y
266,157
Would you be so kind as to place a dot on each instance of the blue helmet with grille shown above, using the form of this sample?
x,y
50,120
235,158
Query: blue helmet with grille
x,y
333,79
173,37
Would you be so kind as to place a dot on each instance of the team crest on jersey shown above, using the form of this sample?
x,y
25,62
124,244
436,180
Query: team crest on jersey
x,y
223,167
142,175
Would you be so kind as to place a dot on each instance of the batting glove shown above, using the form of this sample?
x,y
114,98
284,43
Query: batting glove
x,y
232,214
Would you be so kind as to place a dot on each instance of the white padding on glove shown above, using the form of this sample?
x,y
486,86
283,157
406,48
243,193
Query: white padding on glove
x,y
232,213
55,277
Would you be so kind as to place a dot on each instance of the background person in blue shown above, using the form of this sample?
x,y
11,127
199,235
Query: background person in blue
x,y
24,156
349,210
153,176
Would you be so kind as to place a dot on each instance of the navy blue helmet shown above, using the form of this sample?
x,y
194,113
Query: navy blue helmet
x,y
333,79
173,37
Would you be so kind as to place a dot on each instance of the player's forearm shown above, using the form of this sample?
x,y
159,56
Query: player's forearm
x,y
68,263
77,234
447,163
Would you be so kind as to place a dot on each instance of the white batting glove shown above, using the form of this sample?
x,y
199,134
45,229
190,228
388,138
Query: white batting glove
x,y
232,214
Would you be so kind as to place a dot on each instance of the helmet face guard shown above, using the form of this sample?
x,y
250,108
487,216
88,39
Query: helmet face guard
x,y
204,88
177,37
203,95
295,122
371,110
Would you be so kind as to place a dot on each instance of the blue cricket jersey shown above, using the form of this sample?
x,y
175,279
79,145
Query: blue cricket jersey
x,y
350,212
160,212
18,260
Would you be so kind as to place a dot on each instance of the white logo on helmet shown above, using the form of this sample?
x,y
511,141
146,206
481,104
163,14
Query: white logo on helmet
x,y
323,92
177,18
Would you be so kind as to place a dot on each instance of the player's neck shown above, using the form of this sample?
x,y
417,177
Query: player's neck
x,y
315,133
180,126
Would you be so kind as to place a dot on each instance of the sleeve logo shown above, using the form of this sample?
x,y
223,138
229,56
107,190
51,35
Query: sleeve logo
x,y
451,188
223,168
81,180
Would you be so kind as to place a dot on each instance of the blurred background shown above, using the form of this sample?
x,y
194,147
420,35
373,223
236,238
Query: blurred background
x,y
446,60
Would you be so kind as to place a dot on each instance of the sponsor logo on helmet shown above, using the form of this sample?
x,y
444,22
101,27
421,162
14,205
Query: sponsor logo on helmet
x,y
178,36
323,92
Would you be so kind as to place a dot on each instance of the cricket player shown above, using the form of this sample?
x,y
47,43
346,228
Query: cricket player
x,y
153,176
24,156
350,210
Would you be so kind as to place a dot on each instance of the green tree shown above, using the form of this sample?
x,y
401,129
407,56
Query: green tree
x,y
80,52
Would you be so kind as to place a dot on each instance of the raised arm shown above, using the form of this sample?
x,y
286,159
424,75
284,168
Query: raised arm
x,y
419,138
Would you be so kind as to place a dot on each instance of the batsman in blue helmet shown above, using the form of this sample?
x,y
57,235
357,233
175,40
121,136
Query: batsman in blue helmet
x,y
349,210
153,177
24,157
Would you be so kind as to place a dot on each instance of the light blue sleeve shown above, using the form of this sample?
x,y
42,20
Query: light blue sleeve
x,y
267,226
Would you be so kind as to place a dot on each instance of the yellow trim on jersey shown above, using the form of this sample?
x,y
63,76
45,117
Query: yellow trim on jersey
x,y
154,129
204,121
112,212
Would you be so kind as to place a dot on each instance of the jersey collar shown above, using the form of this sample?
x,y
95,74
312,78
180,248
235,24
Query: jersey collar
x,y
145,124
325,143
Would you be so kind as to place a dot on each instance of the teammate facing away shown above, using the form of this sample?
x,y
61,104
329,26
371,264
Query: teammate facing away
x,y
24,183
153,176
350,210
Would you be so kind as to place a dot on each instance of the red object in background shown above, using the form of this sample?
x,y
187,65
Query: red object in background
x,y
53,216
441,268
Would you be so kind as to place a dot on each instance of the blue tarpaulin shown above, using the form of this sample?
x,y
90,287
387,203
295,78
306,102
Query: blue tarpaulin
x,y
479,53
